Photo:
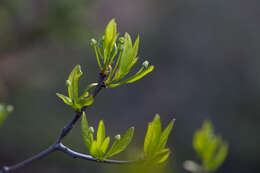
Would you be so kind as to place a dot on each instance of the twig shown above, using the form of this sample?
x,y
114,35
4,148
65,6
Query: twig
x,y
75,154
58,146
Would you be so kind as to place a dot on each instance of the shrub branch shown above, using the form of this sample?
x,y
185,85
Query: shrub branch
x,y
58,146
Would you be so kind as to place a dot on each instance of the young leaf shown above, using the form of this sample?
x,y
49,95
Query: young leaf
x,y
65,99
93,149
145,69
125,58
160,156
89,87
110,33
121,144
85,131
164,136
153,135
86,101
101,133
105,145
219,157
73,83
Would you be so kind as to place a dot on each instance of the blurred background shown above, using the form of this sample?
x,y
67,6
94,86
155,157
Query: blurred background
x,y
206,56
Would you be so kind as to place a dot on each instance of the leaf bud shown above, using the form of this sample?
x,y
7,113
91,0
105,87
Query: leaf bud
x,y
68,82
121,40
9,108
93,42
117,137
91,130
145,64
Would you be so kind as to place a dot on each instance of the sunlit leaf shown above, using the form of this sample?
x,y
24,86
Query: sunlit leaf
x,y
87,89
140,74
165,134
160,156
65,99
101,133
73,83
105,145
153,135
86,101
121,144
85,131
93,149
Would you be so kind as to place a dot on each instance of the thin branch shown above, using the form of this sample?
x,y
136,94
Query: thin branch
x,y
75,154
58,146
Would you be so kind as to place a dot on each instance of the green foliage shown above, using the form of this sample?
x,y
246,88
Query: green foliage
x,y
4,112
109,47
99,148
72,83
211,149
155,141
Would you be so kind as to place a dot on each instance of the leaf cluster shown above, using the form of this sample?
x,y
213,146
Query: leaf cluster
x,y
99,147
116,57
211,149
73,99
156,140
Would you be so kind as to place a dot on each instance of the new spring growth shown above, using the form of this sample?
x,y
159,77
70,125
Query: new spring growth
x,y
116,57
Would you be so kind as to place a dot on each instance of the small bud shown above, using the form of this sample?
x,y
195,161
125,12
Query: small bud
x,y
91,130
121,40
146,64
117,137
106,72
93,42
68,82
9,108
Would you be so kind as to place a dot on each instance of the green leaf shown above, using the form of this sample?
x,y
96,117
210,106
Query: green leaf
x,y
85,131
210,148
165,134
87,101
101,133
105,145
219,157
110,38
160,156
110,33
121,144
65,99
153,135
87,89
140,74
73,83
125,58
94,149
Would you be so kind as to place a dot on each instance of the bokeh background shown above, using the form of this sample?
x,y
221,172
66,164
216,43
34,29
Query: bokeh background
x,y
206,55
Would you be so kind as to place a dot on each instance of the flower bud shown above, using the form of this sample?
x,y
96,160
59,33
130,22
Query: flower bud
x,y
117,137
121,40
68,82
145,64
93,42
9,108
91,130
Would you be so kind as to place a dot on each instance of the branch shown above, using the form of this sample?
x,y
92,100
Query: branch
x,y
75,154
58,146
